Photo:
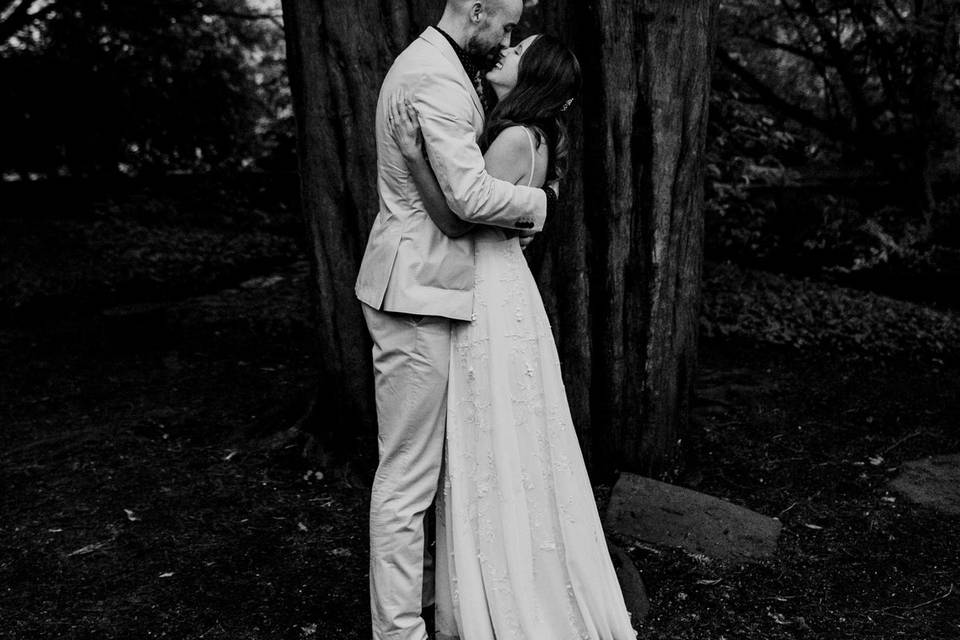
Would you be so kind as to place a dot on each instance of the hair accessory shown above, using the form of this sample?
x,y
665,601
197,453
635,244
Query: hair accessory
x,y
566,105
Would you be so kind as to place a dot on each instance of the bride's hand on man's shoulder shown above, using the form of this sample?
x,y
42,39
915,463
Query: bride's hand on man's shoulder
x,y
404,125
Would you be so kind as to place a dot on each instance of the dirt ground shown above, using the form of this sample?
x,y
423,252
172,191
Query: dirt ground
x,y
134,505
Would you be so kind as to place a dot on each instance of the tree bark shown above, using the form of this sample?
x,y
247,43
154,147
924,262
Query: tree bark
x,y
619,266
337,55
645,110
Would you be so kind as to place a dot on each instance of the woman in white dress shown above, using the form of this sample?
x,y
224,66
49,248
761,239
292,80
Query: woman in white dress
x,y
521,554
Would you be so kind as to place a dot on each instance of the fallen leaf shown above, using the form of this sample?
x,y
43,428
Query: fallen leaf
x,y
779,619
130,516
168,574
90,548
262,282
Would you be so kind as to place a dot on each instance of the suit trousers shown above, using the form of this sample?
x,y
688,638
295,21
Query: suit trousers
x,y
411,359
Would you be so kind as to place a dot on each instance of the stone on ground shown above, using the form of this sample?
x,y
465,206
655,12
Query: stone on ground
x,y
665,514
933,482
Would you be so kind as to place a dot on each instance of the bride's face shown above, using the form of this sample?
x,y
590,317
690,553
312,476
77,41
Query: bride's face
x,y
503,77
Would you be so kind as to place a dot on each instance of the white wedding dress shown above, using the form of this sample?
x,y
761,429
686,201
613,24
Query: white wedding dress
x,y
521,554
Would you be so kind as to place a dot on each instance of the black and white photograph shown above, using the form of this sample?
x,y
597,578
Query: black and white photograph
x,y
480,319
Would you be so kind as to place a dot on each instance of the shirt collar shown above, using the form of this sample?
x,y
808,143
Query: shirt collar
x,y
465,58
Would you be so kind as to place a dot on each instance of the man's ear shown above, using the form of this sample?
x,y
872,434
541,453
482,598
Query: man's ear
x,y
476,12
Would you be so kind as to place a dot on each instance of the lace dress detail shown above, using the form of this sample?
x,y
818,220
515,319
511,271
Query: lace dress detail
x,y
521,553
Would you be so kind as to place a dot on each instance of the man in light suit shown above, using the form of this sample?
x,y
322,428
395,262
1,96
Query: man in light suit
x,y
414,282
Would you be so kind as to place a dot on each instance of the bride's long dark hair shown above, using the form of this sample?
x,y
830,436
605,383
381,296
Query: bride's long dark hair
x,y
548,78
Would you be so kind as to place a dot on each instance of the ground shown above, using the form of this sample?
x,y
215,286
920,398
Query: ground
x,y
140,501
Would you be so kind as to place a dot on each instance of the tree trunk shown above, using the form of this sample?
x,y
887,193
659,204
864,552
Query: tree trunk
x,y
647,77
337,55
619,266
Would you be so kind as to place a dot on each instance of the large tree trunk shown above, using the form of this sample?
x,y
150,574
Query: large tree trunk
x,y
337,55
619,266
625,255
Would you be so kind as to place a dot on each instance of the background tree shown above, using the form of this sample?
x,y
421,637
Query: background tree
x,y
620,266
101,87
877,77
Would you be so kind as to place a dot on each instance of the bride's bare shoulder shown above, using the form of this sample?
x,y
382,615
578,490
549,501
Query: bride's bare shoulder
x,y
503,157
511,139
515,142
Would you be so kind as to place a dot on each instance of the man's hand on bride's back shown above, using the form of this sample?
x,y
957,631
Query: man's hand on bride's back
x,y
404,126
526,237
554,185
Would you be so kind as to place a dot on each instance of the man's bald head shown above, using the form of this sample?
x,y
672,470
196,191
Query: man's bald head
x,y
465,7
482,27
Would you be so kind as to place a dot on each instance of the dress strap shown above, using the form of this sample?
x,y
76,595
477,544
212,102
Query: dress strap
x,y
533,156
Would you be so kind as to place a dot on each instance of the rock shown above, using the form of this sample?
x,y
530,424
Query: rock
x,y
933,482
666,514
631,584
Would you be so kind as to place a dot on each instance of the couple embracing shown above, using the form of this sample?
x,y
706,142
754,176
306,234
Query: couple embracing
x,y
471,406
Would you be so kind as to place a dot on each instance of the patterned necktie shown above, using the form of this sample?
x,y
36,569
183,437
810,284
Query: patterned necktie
x,y
478,85
470,67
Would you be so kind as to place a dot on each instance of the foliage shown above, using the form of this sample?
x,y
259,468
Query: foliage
x,y
805,313
836,142
878,76
81,264
746,147
127,486
107,86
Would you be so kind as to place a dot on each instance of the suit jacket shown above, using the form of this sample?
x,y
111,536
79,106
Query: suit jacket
x,y
409,266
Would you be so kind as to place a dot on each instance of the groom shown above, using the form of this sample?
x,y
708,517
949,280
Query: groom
x,y
414,282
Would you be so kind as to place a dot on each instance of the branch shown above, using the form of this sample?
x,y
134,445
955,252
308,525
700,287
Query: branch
x,y
851,81
11,7
775,100
883,51
20,18
802,52
226,13
830,97
6,7
895,11
240,15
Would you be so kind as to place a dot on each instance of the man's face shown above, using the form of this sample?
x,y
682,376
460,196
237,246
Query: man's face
x,y
497,22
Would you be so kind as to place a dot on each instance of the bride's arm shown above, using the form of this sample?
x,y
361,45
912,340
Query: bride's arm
x,y
500,160
405,128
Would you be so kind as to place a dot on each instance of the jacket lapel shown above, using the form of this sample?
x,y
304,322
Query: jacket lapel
x,y
436,38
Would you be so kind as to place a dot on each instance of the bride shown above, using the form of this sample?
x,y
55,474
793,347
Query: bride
x,y
521,554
